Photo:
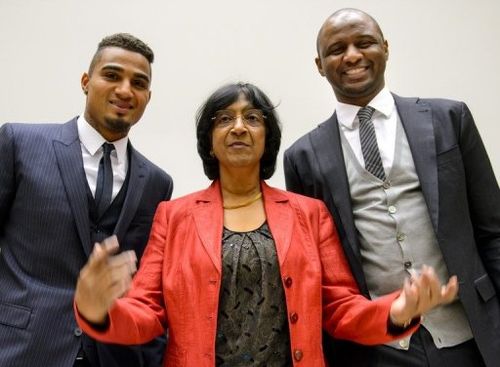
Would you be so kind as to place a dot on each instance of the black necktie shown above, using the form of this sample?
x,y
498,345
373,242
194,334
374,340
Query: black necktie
x,y
369,146
104,187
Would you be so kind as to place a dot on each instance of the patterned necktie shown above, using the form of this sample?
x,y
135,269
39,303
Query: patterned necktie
x,y
369,146
104,187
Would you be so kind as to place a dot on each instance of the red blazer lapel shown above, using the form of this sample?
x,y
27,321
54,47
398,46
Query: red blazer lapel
x,y
279,218
208,217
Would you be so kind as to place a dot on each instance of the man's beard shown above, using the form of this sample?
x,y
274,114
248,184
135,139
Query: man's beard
x,y
118,125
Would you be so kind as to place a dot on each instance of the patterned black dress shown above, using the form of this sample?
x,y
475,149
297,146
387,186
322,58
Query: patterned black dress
x,y
252,327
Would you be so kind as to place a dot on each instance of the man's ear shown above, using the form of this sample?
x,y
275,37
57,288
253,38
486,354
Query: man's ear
x,y
386,50
317,60
84,81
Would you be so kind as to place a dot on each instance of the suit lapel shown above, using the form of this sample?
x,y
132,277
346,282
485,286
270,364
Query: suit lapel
x,y
68,153
138,172
279,218
327,146
416,117
208,218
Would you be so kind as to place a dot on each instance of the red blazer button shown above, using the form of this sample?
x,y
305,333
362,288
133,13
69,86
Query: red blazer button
x,y
294,317
288,282
297,354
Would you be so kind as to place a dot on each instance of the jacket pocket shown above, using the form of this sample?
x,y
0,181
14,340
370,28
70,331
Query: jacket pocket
x,y
14,315
485,287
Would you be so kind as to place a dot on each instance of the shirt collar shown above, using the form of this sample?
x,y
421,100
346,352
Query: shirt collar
x,y
92,140
383,103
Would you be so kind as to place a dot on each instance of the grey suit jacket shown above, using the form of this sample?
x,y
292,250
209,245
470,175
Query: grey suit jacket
x,y
460,191
45,240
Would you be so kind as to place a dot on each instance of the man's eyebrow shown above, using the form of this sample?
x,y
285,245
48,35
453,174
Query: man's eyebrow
x,y
368,36
112,67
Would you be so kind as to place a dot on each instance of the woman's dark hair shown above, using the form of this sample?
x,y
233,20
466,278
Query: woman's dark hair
x,y
222,98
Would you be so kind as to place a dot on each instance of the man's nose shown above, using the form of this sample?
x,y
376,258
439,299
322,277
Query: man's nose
x,y
352,54
124,89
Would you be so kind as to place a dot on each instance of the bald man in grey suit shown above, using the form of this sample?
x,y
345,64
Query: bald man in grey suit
x,y
408,182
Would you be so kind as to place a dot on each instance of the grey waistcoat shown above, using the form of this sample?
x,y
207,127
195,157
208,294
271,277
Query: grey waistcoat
x,y
396,237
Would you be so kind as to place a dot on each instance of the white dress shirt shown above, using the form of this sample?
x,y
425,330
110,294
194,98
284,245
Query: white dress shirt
x,y
385,119
91,143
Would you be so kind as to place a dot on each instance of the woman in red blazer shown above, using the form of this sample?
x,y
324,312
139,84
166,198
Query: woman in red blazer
x,y
242,274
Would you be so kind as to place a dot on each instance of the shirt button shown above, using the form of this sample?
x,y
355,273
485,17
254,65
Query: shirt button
x,y
294,317
403,343
392,209
407,264
401,237
288,282
77,331
297,354
386,185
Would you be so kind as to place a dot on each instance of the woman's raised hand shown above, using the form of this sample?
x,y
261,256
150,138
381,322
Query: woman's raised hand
x,y
420,294
103,279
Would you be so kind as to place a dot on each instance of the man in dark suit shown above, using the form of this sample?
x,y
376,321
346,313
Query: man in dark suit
x,y
409,183
61,191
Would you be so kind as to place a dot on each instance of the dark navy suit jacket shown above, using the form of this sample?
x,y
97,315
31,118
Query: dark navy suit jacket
x,y
461,194
45,241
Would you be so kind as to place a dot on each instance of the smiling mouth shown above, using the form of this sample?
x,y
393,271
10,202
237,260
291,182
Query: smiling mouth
x,y
124,106
356,71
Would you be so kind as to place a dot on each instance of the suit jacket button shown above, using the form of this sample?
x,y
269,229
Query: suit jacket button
x,y
294,317
77,331
297,354
288,282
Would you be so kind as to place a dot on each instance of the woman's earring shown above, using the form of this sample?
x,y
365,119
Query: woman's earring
x,y
212,153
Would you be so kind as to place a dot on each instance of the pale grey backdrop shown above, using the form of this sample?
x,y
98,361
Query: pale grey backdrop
x,y
446,48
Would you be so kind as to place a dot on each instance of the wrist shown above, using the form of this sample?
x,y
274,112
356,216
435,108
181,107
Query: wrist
x,y
400,323
395,328
91,317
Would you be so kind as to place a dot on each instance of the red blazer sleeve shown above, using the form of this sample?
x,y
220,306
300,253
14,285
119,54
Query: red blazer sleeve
x,y
140,315
346,313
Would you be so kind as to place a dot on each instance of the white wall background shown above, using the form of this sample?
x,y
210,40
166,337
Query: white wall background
x,y
446,48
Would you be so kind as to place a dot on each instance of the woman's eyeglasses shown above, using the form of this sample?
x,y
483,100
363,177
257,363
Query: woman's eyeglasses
x,y
251,118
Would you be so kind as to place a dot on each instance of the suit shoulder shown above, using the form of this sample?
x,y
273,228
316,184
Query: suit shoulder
x,y
442,103
305,141
443,110
436,104
30,134
156,170
448,112
25,128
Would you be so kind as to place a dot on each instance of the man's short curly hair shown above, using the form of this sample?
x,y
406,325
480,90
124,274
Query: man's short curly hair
x,y
224,97
125,41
